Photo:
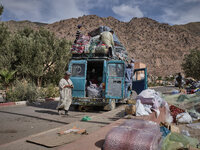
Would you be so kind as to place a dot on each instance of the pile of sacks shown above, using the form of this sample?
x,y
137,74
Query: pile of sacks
x,y
149,100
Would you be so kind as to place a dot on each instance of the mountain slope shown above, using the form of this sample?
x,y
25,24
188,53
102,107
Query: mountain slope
x,y
160,46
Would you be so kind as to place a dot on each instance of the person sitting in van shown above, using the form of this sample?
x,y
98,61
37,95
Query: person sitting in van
x,y
107,39
78,33
128,79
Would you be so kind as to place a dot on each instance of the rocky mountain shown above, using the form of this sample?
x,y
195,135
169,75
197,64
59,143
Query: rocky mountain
x,y
161,46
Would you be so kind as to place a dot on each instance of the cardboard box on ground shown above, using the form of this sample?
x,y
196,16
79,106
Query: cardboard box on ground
x,y
130,109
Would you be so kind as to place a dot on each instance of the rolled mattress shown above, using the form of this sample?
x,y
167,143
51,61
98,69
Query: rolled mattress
x,y
134,134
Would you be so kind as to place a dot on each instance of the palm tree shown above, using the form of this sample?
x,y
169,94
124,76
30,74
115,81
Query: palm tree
x,y
6,77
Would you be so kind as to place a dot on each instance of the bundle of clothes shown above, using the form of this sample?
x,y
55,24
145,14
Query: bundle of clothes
x,y
149,100
81,45
92,44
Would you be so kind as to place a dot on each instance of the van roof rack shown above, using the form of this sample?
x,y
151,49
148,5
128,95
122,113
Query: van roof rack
x,y
89,56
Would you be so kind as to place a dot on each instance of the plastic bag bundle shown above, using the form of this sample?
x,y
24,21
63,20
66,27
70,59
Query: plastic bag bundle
x,y
134,135
184,118
140,109
94,91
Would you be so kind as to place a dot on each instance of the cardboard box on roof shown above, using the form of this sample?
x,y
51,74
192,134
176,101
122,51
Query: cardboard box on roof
x,y
138,65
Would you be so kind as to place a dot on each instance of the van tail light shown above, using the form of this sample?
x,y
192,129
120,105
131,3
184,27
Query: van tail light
x,y
103,86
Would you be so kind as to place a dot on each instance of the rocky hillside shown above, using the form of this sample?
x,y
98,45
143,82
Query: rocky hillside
x,y
160,46
14,25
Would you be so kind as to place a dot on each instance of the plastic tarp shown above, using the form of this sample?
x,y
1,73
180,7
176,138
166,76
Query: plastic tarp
x,y
134,134
186,101
175,141
182,98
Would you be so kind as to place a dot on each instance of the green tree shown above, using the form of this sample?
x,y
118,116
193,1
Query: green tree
x,y
1,10
191,64
41,56
7,56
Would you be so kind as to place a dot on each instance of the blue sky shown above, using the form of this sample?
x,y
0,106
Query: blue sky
x,y
49,11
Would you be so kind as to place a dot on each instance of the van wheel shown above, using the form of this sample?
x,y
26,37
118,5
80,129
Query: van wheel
x,y
82,108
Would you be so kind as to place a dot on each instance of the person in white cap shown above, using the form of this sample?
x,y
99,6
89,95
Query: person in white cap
x,y
65,87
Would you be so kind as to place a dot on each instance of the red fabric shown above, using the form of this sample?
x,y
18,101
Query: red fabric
x,y
175,111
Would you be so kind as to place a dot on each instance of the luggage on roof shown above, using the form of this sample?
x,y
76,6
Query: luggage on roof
x,y
92,45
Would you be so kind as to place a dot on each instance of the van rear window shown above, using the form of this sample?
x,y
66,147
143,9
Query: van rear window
x,y
78,70
116,70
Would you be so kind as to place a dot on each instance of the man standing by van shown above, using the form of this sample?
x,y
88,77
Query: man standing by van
x,y
128,79
65,87
107,39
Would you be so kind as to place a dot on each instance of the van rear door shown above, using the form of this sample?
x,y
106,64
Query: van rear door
x,y
140,80
115,79
78,69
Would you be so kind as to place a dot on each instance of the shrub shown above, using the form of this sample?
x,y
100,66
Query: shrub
x,y
22,91
31,93
51,91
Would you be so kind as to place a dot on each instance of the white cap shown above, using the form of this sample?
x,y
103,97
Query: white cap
x,y
67,73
